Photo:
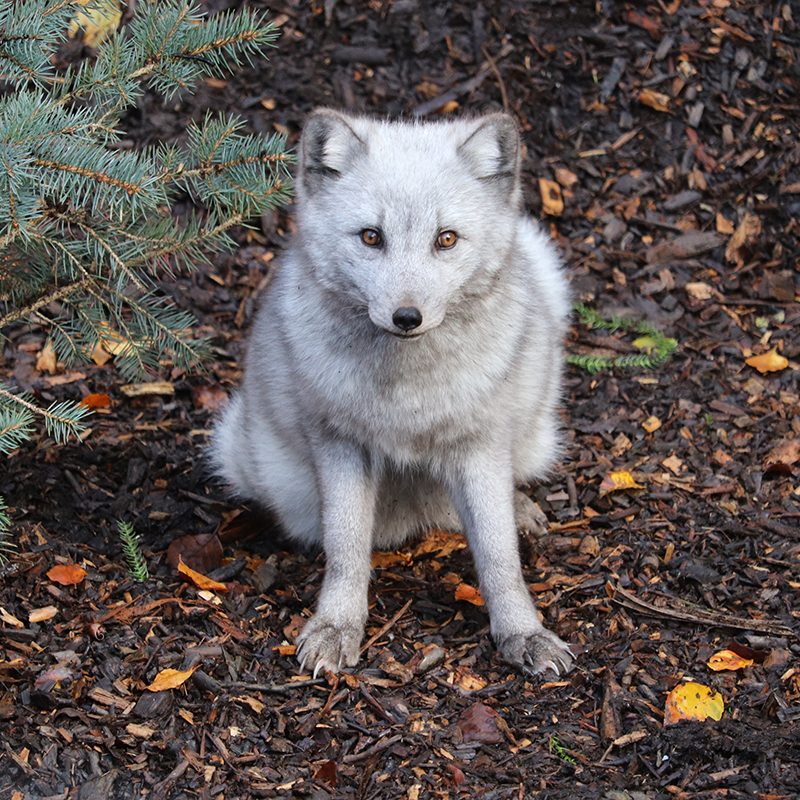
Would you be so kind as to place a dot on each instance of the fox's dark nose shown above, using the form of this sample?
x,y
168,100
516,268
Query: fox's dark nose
x,y
407,318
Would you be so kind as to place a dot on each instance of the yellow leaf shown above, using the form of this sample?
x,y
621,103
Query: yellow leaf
x,y
46,359
170,679
655,100
693,701
200,580
98,21
469,593
768,362
618,481
651,424
727,659
449,107
552,201
66,574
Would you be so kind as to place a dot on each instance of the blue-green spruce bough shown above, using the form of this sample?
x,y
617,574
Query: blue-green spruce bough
x,y
87,231
132,549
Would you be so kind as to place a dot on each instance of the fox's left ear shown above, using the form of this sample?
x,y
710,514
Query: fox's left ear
x,y
492,151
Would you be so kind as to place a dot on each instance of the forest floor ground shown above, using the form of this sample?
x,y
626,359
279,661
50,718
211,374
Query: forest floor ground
x,y
669,132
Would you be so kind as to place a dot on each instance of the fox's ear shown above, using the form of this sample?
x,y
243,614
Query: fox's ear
x,y
492,150
327,147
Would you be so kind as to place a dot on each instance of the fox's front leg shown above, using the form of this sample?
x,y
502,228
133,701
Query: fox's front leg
x,y
482,487
331,638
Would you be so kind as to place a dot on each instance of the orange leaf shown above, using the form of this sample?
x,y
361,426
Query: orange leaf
x,y
200,580
727,659
285,649
400,558
655,100
170,679
617,481
768,362
693,701
66,574
469,593
96,401
441,543
552,201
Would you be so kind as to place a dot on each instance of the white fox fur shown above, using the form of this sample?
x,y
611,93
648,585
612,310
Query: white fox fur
x,y
360,434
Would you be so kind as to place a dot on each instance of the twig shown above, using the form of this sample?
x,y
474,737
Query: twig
x,y
688,612
374,638
500,82
273,688
371,751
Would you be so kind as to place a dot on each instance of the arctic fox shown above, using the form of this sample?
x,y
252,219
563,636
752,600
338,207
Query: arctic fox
x,y
404,368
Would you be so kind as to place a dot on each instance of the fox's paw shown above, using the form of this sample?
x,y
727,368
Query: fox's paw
x,y
536,653
528,516
324,645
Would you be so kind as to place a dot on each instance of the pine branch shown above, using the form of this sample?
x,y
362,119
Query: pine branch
x,y
7,547
659,347
132,549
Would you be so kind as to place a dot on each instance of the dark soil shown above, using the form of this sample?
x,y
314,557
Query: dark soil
x,y
648,583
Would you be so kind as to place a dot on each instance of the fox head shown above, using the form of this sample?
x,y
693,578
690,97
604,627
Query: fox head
x,y
407,219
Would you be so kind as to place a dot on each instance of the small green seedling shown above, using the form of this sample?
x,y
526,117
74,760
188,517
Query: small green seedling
x,y
132,547
558,749
7,547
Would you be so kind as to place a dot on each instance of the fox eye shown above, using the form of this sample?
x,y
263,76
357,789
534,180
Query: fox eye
x,y
446,239
371,237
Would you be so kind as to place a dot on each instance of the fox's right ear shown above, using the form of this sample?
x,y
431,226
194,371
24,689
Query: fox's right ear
x,y
327,147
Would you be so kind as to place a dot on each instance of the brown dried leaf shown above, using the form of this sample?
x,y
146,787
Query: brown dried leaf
x,y
171,679
478,723
46,359
66,574
745,235
199,580
469,594
202,552
782,457
768,362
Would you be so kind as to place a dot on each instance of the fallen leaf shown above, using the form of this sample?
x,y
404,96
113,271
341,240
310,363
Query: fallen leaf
x,y
466,680
202,551
618,481
326,773
152,387
252,702
470,594
693,701
66,574
746,233
724,225
96,401
285,649
170,679
97,22
42,614
782,457
449,107
687,245
100,355
658,101
399,558
199,580
478,723
727,659
440,543
768,362
46,359
552,201
651,424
